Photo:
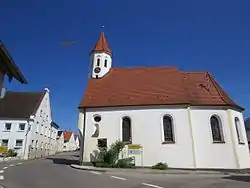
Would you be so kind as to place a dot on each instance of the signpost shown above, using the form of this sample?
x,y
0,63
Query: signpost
x,y
135,150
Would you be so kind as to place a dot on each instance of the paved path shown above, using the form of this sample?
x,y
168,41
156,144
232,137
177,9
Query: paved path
x,y
55,172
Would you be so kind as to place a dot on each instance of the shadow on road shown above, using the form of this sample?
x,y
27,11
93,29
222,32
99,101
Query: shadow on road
x,y
238,178
64,161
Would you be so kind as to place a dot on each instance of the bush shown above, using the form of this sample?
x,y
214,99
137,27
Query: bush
x,y
109,157
11,153
125,163
160,166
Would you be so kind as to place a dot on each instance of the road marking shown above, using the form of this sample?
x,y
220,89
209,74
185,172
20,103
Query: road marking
x,y
5,167
151,185
19,163
1,171
11,165
1,177
119,178
93,172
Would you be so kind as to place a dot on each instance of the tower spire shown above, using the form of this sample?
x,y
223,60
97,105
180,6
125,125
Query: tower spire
x,y
102,45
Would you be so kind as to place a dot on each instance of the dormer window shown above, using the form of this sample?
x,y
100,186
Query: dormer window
x,y
105,63
98,62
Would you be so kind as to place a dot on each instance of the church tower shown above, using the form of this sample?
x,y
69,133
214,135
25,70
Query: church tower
x,y
101,58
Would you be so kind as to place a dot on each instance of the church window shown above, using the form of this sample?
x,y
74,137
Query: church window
x,y
97,118
105,63
126,130
216,128
238,130
98,62
168,129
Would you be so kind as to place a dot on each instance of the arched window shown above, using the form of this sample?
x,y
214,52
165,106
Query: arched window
x,y
238,130
98,62
105,63
168,129
216,128
126,130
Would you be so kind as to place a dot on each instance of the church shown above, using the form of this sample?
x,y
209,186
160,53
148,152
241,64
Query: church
x,y
163,114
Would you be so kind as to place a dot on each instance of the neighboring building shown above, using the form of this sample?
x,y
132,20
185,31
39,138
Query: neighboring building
x,y
60,141
182,118
25,123
53,138
77,141
69,141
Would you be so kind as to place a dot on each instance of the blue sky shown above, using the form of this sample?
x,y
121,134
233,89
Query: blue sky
x,y
193,35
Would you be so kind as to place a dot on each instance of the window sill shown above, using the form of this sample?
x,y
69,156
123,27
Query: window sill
x,y
241,143
127,143
18,147
6,130
219,142
168,142
20,130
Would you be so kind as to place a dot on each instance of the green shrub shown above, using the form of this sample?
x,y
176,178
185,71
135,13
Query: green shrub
x,y
160,166
125,163
109,157
11,153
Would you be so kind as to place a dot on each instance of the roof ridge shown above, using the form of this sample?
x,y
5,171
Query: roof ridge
x,y
145,67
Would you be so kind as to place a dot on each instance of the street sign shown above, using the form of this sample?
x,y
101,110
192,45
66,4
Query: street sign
x,y
134,146
3,149
134,149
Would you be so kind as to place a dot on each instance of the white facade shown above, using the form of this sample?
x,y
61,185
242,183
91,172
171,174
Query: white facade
x,y
39,140
70,145
77,142
193,146
101,61
60,143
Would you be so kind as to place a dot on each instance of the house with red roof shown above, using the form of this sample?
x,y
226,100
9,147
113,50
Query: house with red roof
x,y
162,114
69,141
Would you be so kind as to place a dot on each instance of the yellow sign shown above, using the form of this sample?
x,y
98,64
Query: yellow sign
x,y
3,149
134,146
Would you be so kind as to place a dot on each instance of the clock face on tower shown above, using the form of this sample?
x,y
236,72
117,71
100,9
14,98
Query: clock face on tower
x,y
97,70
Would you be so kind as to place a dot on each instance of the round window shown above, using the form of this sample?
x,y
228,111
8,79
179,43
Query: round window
x,y
97,118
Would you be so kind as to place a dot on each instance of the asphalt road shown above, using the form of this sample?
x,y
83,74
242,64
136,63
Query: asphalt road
x,y
55,172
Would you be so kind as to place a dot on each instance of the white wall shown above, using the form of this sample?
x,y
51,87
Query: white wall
x,y
147,130
70,145
197,151
60,143
14,134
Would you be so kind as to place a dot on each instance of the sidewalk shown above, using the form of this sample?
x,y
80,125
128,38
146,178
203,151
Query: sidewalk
x,y
169,171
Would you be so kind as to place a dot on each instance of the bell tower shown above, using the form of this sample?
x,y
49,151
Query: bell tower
x,y
100,58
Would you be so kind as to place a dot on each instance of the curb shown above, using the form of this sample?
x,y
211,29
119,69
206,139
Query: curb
x,y
87,169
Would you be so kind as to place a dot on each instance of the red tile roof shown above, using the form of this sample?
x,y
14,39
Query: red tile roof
x,y
67,136
154,86
102,45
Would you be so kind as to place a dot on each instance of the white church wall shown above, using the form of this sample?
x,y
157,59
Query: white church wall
x,y
242,149
147,130
209,154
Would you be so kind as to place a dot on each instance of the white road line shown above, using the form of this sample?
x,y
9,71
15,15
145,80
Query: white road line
x,y
151,185
93,172
1,171
1,177
5,167
119,178
11,165
19,163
